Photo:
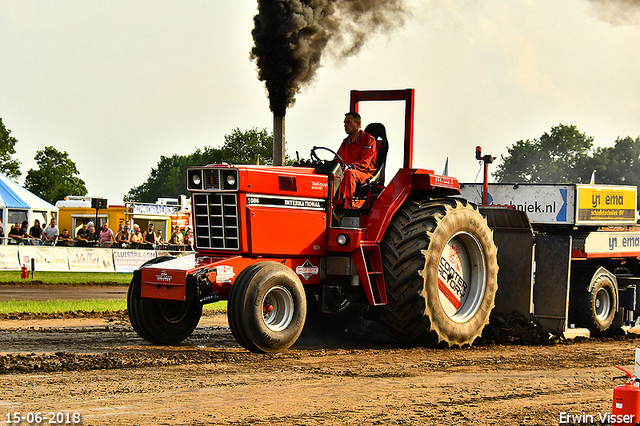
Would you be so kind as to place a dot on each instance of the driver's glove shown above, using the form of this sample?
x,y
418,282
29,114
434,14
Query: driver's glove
x,y
350,166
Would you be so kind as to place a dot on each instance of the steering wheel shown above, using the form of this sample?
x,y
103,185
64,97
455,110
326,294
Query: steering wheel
x,y
315,157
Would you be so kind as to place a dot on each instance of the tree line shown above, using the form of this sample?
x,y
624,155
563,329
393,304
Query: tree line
x,y
565,155
168,178
562,155
56,175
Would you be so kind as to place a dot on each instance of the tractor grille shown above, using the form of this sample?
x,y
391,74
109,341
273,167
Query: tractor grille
x,y
216,221
211,179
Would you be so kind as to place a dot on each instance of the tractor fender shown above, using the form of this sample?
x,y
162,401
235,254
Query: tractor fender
x,y
403,184
221,273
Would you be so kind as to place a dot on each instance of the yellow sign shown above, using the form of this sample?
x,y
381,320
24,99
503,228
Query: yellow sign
x,y
605,203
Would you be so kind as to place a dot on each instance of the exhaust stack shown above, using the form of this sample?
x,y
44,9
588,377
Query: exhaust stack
x,y
278,140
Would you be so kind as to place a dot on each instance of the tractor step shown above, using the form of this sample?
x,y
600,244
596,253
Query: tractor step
x,y
368,261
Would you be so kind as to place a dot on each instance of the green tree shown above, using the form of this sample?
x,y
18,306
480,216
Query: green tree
x,y
8,166
168,178
55,177
249,147
619,164
561,156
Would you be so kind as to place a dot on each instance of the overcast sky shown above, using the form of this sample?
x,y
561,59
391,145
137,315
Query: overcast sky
x,y
117,84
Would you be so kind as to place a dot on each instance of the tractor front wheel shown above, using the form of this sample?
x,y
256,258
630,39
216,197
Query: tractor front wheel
x,y
267,307
440,270
162,322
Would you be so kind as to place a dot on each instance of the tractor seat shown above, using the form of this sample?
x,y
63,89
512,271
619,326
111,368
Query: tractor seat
x,y
373,184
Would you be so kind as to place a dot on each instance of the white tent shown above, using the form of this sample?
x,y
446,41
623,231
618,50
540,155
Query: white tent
x,y
17,204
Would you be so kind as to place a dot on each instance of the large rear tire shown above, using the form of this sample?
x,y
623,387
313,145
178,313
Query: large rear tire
x,y
162,322
267,308
441,273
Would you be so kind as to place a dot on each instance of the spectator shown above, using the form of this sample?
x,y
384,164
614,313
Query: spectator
x,y
122,237
24,231
159,239
121,232
94,237
188,239
36,232
51,232
14,234
1,233
136,238
82,237
64,239
174,236
106,236
150,237
120,229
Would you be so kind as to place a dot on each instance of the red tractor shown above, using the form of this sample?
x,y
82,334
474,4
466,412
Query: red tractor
x,y
266,240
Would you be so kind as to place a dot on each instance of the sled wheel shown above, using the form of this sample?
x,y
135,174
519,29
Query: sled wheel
x,y
164,322
440,270
267,308
597,306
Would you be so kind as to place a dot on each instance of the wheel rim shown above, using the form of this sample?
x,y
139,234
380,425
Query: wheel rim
x,y
277,308
173,311
603,304
461,277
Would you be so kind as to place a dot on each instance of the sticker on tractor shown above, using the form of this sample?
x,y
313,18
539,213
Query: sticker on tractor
x,y
319,185
224,274
286,202
307,270
454,258
450,282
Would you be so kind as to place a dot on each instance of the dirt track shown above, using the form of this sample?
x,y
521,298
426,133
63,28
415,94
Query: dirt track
x,y
99,368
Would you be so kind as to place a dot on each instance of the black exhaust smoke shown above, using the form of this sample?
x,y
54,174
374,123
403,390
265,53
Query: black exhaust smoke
x,y
291,36
617,11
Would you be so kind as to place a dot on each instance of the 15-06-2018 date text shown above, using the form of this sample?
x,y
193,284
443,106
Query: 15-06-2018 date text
x,y
38,418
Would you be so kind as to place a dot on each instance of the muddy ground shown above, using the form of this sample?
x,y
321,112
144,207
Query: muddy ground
x,y
96,365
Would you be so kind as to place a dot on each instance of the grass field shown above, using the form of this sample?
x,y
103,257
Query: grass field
x,y
54,306
67,277
95,305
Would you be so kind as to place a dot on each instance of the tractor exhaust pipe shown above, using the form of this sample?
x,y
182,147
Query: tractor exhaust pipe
x,y
278,140
486,160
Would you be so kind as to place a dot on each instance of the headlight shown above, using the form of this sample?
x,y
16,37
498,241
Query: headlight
x,y
194,179
342,239
229,179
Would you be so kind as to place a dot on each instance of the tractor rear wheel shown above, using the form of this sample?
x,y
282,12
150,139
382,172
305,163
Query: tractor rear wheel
x,y
440,270
163,322
267,307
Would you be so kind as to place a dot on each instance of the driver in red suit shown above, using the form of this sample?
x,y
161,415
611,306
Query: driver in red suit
x,y
359,153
